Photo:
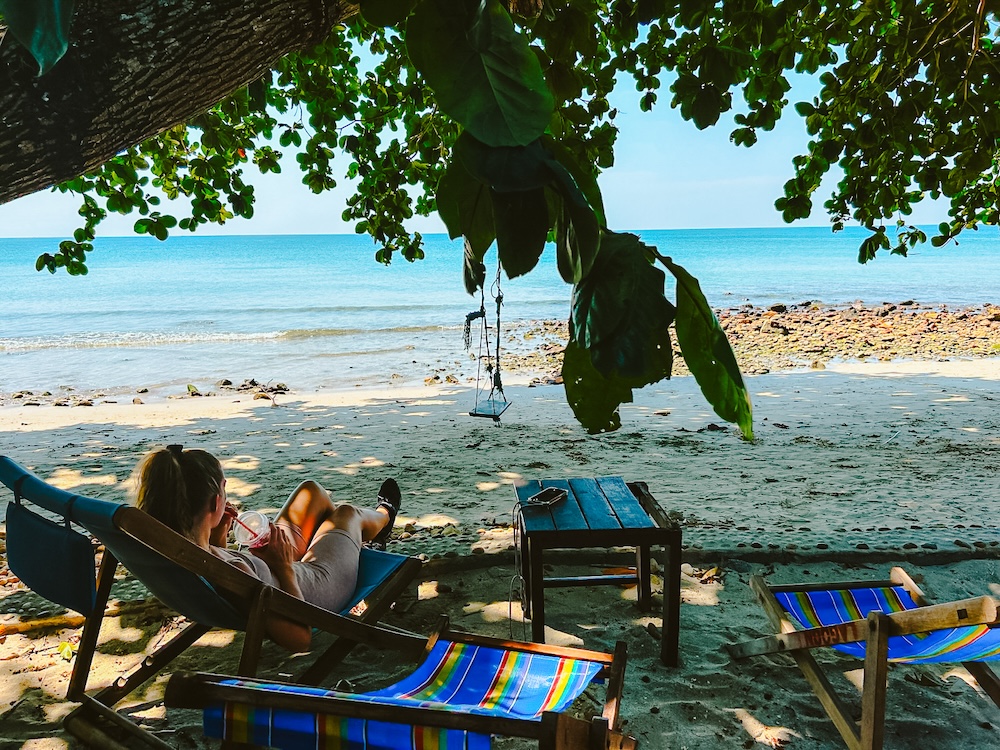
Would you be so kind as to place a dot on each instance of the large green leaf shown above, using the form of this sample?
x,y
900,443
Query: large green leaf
x,y
585,180
594,398
473,270
41,26
386,12
504,168
466,209
619,313
522,223
708,354
578,235
481,69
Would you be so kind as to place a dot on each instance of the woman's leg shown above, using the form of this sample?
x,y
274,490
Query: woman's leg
x,y
310,512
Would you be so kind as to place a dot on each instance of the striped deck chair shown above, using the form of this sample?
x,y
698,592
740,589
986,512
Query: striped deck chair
x,y
880,622
467,689
46,550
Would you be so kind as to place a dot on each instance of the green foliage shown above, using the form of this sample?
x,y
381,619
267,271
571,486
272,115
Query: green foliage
x,y
708,354
619,338
40,26
906,109
481,70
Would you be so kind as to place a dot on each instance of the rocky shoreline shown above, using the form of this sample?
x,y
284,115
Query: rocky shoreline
x,y
776,338
809,334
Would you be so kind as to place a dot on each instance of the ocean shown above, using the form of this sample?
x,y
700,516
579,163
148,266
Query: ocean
x,y
319,312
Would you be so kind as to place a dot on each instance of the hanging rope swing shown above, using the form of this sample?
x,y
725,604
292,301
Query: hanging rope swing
x,y
490,403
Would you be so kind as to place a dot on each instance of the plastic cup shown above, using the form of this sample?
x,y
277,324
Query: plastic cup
x,y
252,529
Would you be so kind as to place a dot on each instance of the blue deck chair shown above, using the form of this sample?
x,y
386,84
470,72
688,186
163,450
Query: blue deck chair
x,y
880,622
467,689
58,562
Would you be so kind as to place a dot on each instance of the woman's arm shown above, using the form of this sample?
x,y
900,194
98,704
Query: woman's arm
x,y
279,554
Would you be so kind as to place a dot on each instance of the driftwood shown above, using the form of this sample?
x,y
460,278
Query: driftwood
x,y
149,606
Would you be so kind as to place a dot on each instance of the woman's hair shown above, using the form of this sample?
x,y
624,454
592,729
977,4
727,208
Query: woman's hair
x,y
174,485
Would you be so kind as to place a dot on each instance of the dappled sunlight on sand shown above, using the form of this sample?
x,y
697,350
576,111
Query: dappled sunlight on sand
x,y
427,590
762,733
503,611
240,463
435,519
45,743
236,487
961,673
70,479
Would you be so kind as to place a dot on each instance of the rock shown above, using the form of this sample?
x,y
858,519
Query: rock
x,y
193,390
137,400
142,390
817,364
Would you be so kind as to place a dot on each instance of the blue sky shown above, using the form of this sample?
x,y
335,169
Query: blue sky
x,y
667,175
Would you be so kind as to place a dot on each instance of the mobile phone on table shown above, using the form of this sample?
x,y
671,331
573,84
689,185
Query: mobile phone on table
x,y
548,496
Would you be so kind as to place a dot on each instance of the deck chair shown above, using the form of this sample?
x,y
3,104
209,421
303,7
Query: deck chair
x,y
57,562
880,622
467,689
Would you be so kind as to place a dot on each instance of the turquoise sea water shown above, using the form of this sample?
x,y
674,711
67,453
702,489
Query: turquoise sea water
x,y
318,311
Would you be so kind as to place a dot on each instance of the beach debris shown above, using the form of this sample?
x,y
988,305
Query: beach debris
x,y
770,736
193,390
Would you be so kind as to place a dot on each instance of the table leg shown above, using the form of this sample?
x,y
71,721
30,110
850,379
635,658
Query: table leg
x,y
523,562
644,576
670,635
537,587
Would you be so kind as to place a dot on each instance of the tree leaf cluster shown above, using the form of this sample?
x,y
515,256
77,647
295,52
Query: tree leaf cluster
x,y
500,123
906,109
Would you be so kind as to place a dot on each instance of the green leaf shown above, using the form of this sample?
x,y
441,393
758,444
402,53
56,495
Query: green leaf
x,y
386,12
564,165
593,398
481,70
578,236
620,315
465,207
708,354
504,168
41,26
522,224
474,270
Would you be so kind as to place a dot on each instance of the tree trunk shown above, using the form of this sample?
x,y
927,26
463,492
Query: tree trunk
x,y
135,68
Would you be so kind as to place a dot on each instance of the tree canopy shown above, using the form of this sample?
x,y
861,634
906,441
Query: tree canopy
x,y
497,115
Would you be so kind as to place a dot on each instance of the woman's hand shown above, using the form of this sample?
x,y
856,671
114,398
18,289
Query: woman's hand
x,y
279,552
219,536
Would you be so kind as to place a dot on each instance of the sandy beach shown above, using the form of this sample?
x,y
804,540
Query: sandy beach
x,y
857,466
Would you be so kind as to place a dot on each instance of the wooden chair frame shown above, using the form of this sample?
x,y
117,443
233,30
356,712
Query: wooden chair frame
x,y
874,631
248,594
220,594
555,731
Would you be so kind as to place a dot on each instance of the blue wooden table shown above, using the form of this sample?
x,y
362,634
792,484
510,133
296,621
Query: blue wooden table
x,y
599,513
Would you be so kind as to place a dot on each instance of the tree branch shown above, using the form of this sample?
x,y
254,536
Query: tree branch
x,y
134,69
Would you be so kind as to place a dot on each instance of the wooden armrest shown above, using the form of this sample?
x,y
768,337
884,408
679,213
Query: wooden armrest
x,y
977,611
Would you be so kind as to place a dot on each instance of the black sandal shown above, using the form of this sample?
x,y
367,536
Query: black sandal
x,y
390,498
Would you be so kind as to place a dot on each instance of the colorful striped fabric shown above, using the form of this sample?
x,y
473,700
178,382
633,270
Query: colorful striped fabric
x,y
454,677
809,609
